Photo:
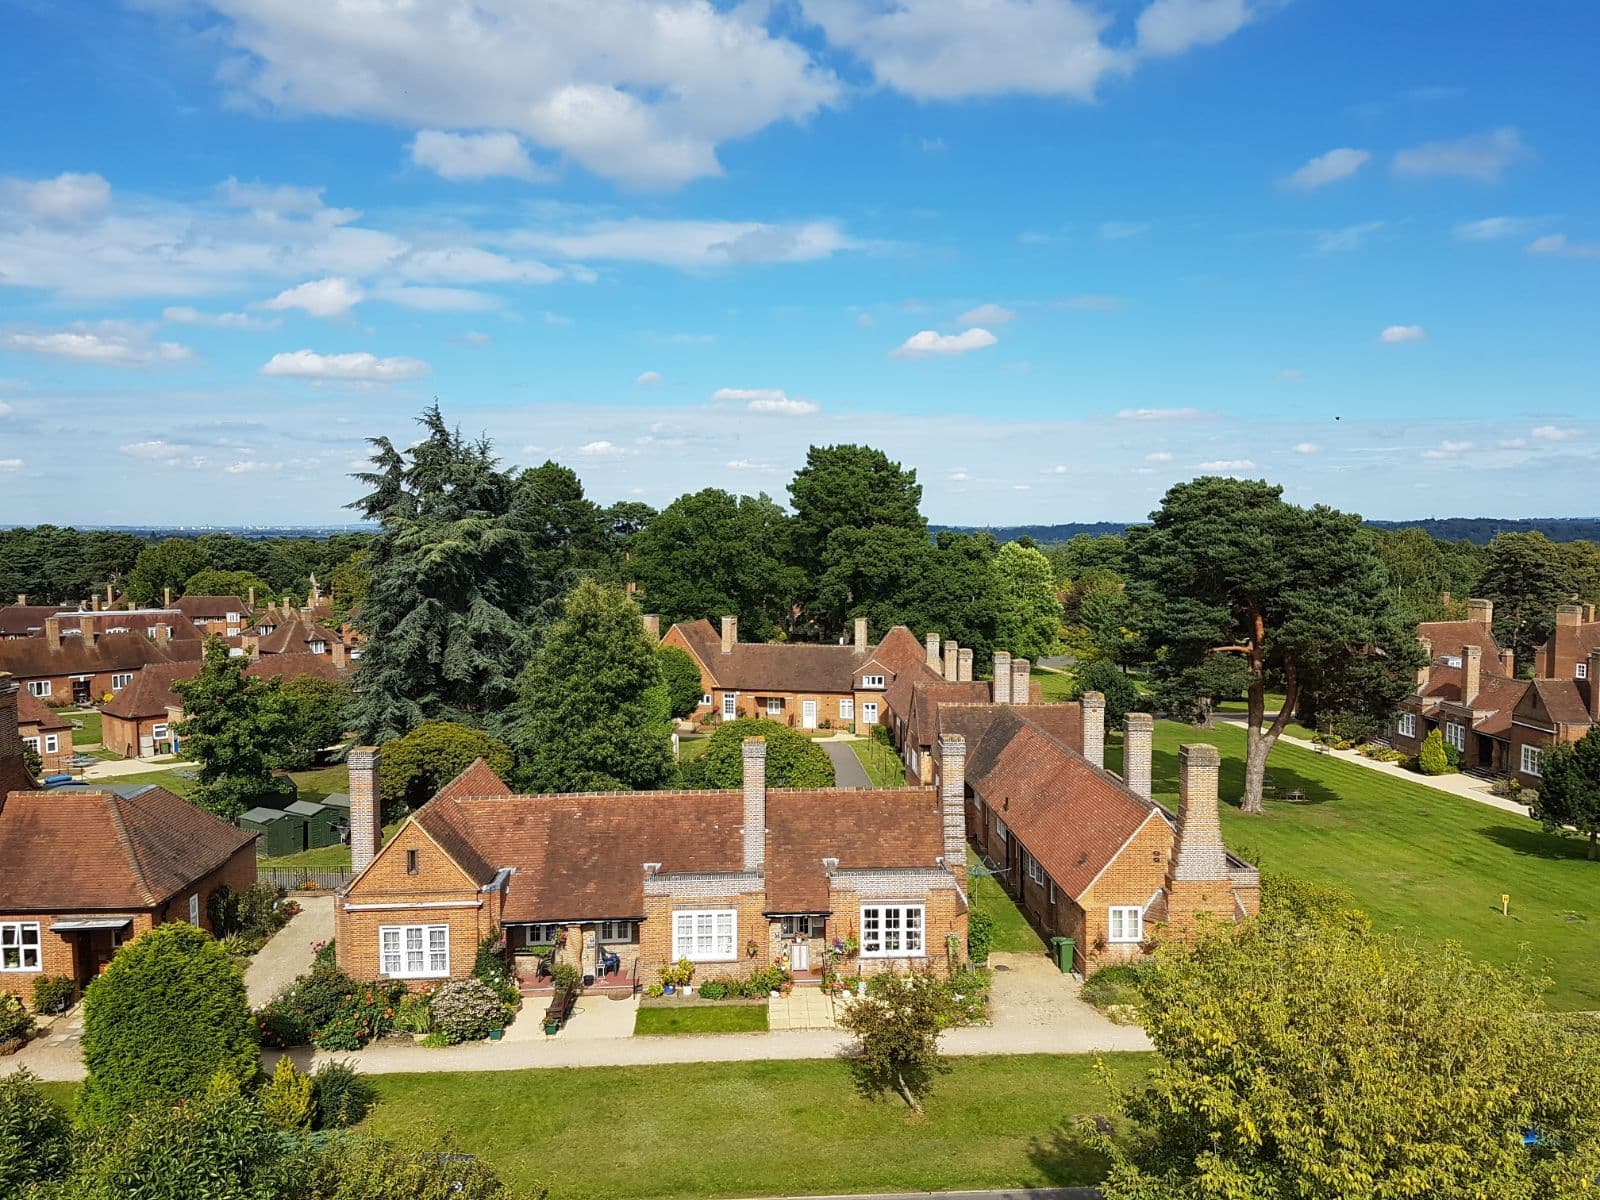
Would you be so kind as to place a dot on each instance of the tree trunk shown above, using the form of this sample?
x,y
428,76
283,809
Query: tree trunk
x,y
1259,737
900,1080
1257,743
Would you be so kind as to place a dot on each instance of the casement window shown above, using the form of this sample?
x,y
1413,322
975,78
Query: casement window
x,y
1406,726
1456,734
1035,871
616,931
801,926
730,705
19,946
774,706
847,710
233,618
1530,760
540,935
705,934
1124,924
1052,891
265,630
158,730
414,951
705,700
38,687
194,910
52,743
121,680
1001,832
31,743
318,647
872,681
892,930
1583,670
869,712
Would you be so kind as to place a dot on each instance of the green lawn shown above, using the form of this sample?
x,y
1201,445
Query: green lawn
x,y
1011,929
690,748
776,1128
89,718
169,779
1417,859
1056,685
882,764
701,1018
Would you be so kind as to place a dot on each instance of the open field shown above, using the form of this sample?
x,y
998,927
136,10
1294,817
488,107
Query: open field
x,y
1417,859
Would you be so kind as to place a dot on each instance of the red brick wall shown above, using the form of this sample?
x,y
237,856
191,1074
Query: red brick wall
x,y
55,762
1132,877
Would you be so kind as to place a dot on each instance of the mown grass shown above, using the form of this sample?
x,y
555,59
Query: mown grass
x,y
88,720
1417,859
882,764
1012,932
701,1018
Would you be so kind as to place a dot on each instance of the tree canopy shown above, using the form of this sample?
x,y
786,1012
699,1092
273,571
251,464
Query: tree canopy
x,y
1027,614
211,581
681,674
411,769
1569,789
793,760
232,726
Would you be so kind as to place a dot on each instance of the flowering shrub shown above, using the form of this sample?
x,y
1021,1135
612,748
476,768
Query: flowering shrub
x,y
16,1023
343,1032
280,1025
466,1010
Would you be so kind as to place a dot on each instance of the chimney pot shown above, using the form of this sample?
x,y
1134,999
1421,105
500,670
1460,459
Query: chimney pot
x,y
730,633
754,752
96,603
861,635
1138,739
964,665
366,809
1481,611
652,626
932,650
1201,856
1002,677
108,595
953,803
1093,706
1021,681
1471,673
1508,664
952,651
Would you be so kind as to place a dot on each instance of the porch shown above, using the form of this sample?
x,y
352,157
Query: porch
x,y
614,972
94,941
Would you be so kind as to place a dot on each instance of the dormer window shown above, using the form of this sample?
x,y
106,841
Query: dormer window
x,y
263,630
319,646
1583,670
872,681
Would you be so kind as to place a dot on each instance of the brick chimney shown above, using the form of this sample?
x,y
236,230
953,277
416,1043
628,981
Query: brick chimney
x,y
22,599
109,597
11,769
952,652
1093,705
1021,681
1482,612
730,634
341,658
1594,685
1425,671
366,809
52,631
86,628
932,650
251,599
250,643
953,803
1138,741
1002,677
964,664
652,626
754,830
96,602
1471,673
163,634
166,597
1563,655
861,635
1197,875
1508,664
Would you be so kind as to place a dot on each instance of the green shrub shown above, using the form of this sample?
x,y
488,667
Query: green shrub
x,y
436,1040
413,1014
35,1135
279,1025
53,994
16,1022
323,955
1110,681
793,760
1302,904
467,1010
1433,759
342,1031
654,990
320,995
166,1015
367,1013
341,1095
980,935
1119,984
712,990
490,963
286,1099
369,1169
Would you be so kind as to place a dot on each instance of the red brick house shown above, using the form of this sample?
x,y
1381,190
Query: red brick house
x,y
80,660
46,732
731,880
82,871
224,616
1575,637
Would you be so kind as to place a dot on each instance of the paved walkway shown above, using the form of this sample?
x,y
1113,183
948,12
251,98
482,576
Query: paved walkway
x,y
847,769
290,951
804,1008
117,767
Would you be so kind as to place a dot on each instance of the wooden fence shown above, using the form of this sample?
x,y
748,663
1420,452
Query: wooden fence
x,y
297,880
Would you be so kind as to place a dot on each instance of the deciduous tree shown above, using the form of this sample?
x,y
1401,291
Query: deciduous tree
x,y
793,760
232,727
1569,789
161,565
214,582
897,1026
311,712
1027,613
1526,575
681,674
1121,696
411,769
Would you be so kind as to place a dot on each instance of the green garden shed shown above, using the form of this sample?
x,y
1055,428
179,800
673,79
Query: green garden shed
x,y
321,822
277,833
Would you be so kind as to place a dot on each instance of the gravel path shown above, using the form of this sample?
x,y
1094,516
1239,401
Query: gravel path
x,y
847,769
289,952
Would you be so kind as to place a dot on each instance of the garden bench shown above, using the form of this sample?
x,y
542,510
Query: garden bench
x,y
560,1009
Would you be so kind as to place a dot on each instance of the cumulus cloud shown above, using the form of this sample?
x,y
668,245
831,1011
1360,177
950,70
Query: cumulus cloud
x,y
112,344
1480,156
163,453
1159,456
1328,168
471,156
601,449
1493,227
773,401
1447,449
646,378
320,297
1170,27
1227,464
1555,433
1557,243
1307,448
67,197
748,464
11,464
1396,335
184,315
359,367
1160,414
986,314
930,343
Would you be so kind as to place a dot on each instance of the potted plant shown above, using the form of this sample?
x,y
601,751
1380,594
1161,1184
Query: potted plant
x,y
750,948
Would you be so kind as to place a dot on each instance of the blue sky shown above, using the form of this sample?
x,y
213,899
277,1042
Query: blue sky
x,y
1055,254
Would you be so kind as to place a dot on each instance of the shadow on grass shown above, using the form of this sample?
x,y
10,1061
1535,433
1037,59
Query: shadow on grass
x,y
1533,842
1164,779
1064,1158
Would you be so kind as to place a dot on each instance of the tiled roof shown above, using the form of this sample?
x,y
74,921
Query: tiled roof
x,y
1497,699
294,634
884,828
1447,637
928,696
31,711
1062,720
26,620
775,666
150,693
213,608
34,658
66,851
1566,700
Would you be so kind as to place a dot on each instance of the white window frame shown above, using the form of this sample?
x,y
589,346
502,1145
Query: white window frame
x,y
774,706
532,934
1583,671
194,910
1052,891
121,680
16,949
318,646
32,743
1002,831
1530,761
803,925
158,731
705,700
414,951
38,688
905,925
1406,726
847,709
1456,734
705,934
1035,871
52,743
869,712
872,681
1124,924
730,705
615,932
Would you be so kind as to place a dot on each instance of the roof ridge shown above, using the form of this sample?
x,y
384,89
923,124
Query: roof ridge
x,y
114,804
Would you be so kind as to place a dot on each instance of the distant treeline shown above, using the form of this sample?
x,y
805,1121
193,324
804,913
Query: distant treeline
x,y
1480,531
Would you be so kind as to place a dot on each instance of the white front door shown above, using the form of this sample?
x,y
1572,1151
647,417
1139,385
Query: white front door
x,y
869,712
799,956
808,714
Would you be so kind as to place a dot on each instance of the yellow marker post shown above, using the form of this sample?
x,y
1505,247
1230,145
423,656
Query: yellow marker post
x,y
1505,905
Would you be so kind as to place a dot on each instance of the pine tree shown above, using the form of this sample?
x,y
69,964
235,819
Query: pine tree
x,y
232,727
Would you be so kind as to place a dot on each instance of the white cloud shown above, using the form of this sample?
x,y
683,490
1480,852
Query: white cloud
x,y
435,299
1557,243
5,409
1022,487
1481,156
1291,373
1227,464
473,338
473,264
748,464
1493,227
1396,335
1159,456
986,314
111,344
67,198
1170,27
695,244
774,401
636,90
1307,448
331,297
1328,168
601,449
929,342
468,156
184,315
1447,449
1512,443
353,368
1161,414
164,453
646,378
1116,231
1351,237
1058,469
1556,433
252,467
11,464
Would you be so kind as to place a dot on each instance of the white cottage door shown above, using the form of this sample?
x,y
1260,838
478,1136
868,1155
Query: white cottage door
x,y
808,714
799,956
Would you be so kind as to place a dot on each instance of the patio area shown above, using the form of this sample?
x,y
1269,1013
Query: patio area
x,y
533,978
